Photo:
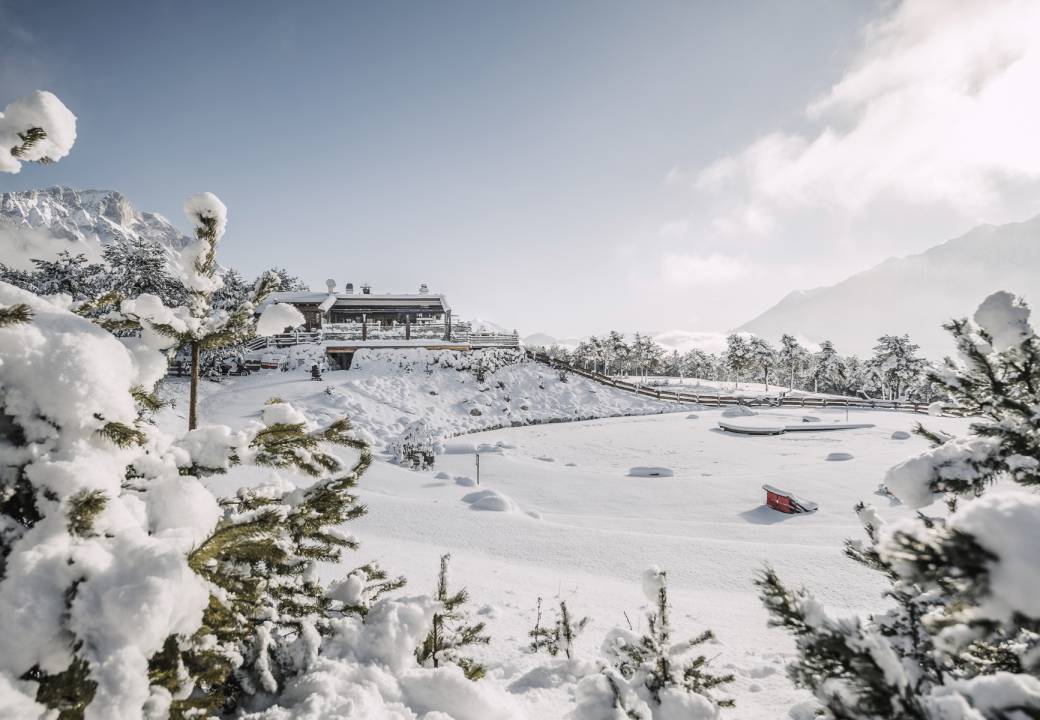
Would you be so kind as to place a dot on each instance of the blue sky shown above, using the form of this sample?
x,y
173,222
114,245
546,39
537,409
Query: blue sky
x,y
552,166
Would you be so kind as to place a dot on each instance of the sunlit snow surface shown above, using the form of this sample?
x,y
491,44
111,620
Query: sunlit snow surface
x,y
573,523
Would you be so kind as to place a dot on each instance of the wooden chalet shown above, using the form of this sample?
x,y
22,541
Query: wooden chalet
x,y
371,316
347,321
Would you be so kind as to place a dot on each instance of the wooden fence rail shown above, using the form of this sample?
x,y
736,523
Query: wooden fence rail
x,y
720,400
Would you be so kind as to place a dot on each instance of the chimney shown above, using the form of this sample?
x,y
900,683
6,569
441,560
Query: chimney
x,y
349,289
424,289
366,289
331,285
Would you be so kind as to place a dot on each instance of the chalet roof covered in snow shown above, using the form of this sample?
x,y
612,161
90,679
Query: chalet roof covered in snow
x,y
362,301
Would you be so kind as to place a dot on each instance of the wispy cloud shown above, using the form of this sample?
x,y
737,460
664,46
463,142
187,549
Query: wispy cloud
x,y
939,107
680,269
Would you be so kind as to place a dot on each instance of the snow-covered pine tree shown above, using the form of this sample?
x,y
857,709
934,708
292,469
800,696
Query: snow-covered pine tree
x,y
452,630
649,676
558,637
792,360
672,365
103,518
94,519
615,352
740,360
136,267
856,375
963,640
67,274
763,357
826,374
896,361
200,325
287,282
699,364
270,610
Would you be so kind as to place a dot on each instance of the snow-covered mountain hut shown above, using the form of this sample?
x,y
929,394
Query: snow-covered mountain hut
x,y
364,314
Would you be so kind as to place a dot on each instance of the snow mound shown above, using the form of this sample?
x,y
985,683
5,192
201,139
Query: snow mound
x,y
490,500
465,481
555,674
442,476
900,435
738,411
281,413
839,456
693,416
650,471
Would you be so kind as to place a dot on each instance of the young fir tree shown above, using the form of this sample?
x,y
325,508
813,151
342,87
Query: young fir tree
x,y
452,630
962,641
199,324
650,672
558,637
271,610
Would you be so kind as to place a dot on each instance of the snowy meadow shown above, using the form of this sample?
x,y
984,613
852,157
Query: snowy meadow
x,y
225,496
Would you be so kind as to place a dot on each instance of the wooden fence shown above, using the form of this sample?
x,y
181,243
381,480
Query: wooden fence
x,y
419,332
719,400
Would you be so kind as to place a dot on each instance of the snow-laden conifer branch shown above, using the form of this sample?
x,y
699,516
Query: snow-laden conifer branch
x,y
37,128
963,640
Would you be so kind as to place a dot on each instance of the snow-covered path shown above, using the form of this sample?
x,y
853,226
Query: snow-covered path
x,y
583,529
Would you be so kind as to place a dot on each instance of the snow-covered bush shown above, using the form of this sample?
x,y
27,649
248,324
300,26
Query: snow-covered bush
x,y
451,630
368,669
416,447
648,676
962,641
481,362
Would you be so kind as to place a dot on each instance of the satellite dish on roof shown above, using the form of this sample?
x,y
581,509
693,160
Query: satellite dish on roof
x,y
331,285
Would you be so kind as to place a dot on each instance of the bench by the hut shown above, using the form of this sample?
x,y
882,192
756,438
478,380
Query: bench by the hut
x,y
786,502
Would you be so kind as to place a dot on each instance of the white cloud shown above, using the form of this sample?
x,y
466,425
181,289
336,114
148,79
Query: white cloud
x,y
684,341
939,108
680,269
20,245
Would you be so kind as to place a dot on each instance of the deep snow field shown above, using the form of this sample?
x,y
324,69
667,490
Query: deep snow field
x,y
575,523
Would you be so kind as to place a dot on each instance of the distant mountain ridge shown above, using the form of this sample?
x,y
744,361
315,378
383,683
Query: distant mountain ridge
x,y
50,220
914,294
